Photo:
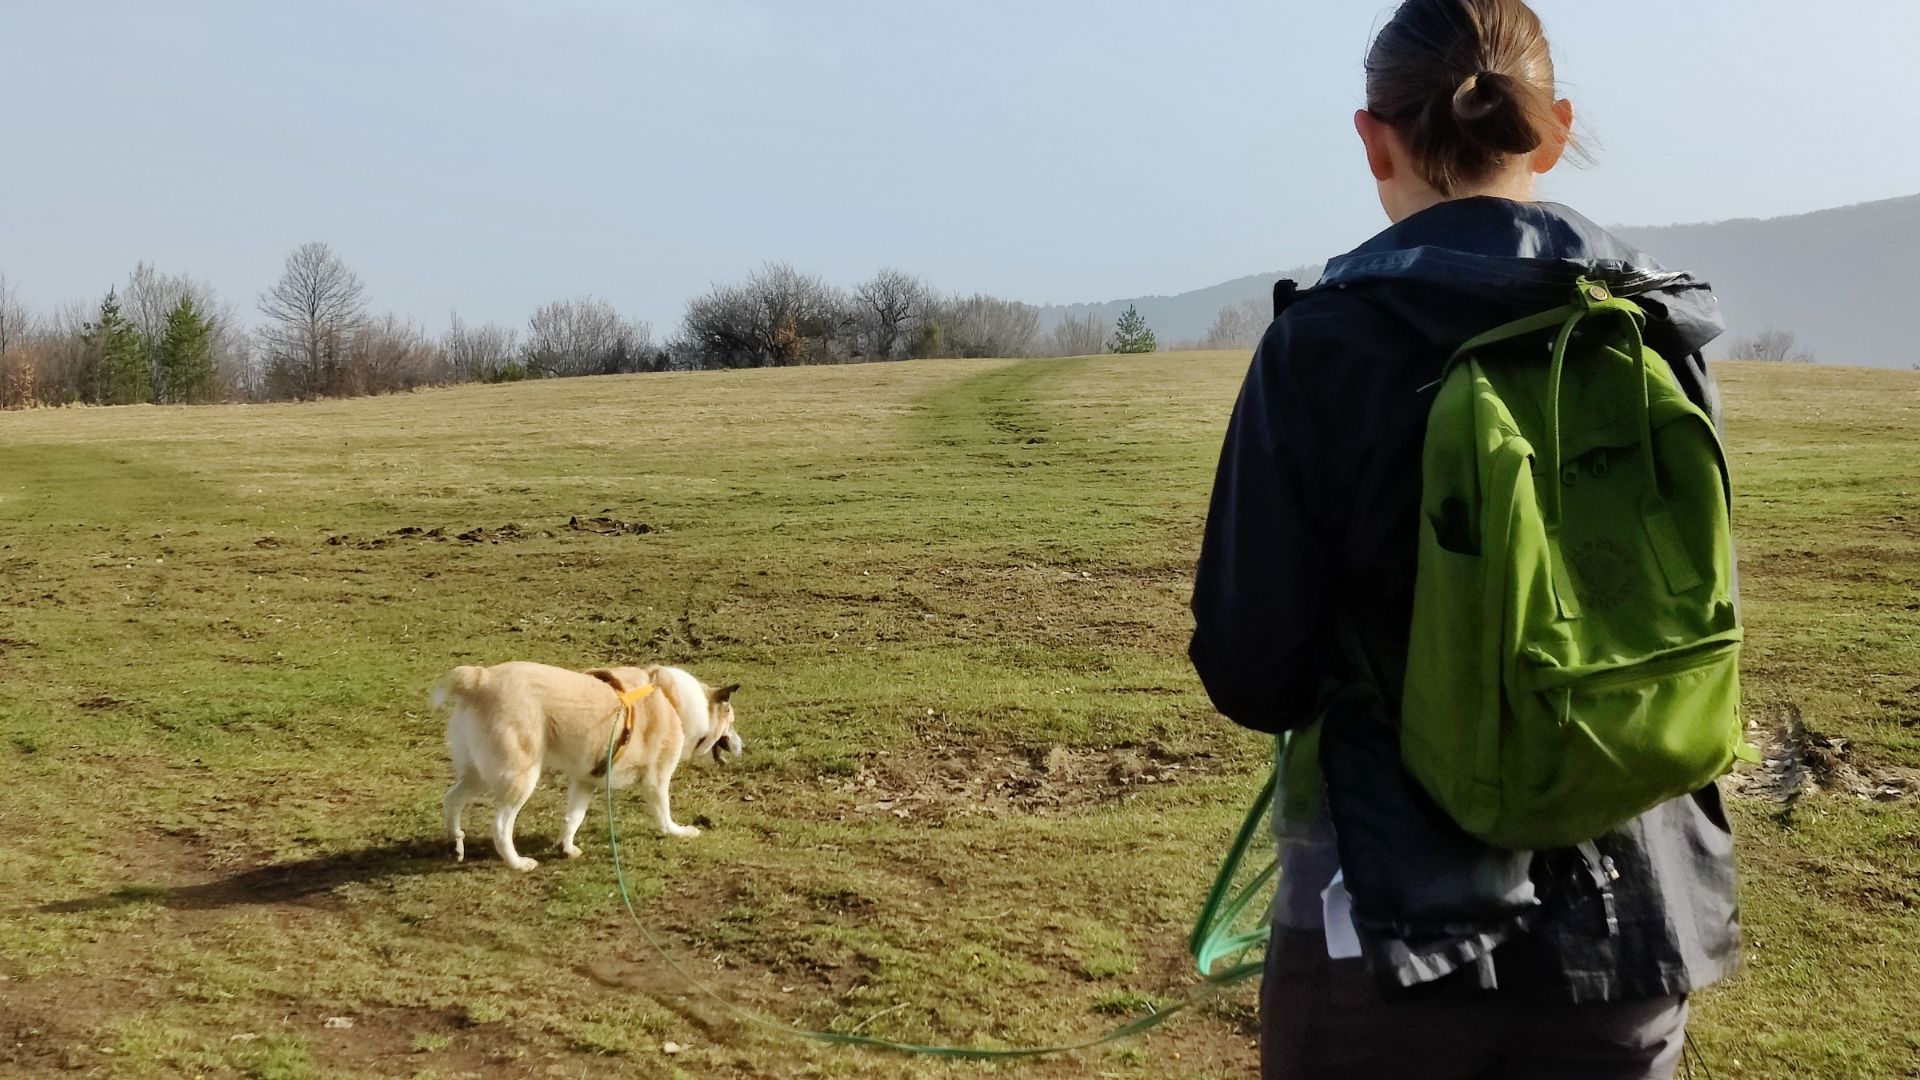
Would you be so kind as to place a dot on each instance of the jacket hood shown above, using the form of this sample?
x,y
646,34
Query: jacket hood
x,y
1475,263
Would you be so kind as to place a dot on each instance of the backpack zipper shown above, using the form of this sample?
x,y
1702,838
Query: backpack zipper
x,y
1640,672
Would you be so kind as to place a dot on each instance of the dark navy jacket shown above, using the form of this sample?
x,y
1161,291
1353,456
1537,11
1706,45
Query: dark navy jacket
x,y
1304,594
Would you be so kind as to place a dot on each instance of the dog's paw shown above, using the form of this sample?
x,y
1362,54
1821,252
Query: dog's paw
x,y
572,851
684,832
524,864
459,849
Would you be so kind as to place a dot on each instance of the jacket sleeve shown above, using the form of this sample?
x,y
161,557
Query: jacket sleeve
x,y
1259,596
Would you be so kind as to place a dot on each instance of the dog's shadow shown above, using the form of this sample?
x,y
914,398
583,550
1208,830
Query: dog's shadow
x,y
295,881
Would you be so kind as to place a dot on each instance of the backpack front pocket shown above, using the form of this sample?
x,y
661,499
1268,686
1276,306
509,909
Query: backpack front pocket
x,y
1616,739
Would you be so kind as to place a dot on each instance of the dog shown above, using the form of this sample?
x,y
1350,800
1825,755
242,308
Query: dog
x,y
509,722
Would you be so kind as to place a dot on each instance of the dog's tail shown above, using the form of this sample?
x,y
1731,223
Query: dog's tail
x,y
457,684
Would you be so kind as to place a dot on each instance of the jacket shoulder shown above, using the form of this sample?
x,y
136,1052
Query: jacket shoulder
x,y
1311,325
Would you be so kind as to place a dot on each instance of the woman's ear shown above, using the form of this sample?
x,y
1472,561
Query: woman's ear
x,y
1375,135
1551,151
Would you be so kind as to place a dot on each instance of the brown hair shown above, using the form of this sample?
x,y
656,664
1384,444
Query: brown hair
x,y
1467,83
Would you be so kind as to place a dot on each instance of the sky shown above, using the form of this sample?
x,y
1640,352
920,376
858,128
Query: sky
x,y
488,156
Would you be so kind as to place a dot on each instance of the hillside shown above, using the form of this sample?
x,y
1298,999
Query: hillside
x,y
1183,318
1840,279
1837,278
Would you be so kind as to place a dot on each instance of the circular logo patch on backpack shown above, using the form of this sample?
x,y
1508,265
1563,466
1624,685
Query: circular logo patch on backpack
x,y
1602,572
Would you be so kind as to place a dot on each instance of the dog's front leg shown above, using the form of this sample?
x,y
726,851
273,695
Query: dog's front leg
x,y
579,798
656,783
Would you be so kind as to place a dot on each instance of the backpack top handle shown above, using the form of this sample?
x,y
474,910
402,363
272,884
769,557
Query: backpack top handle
x,y
1592,298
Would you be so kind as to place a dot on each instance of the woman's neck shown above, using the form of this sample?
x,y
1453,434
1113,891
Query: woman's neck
x,y
1516,185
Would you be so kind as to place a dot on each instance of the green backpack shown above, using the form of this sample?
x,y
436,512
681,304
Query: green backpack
x,y
1574,659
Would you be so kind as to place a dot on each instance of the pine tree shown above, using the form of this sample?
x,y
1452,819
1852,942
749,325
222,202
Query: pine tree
x,y
117,371
184,356
1130,334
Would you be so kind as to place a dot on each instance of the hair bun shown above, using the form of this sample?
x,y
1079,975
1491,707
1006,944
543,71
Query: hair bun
x,y
1489,111
1469,85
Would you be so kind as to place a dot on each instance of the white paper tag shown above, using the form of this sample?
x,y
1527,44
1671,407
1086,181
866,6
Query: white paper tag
x,y
1336,911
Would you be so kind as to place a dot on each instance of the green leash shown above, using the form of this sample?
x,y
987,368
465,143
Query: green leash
x,y
1212,940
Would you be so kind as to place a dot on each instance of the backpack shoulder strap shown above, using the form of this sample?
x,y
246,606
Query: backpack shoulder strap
x,y
1519,328
1285,292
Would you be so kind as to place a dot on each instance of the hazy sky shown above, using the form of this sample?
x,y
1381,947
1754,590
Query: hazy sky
x,y
489,155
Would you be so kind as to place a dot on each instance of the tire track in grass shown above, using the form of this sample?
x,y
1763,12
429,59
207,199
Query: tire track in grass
x,y
994,416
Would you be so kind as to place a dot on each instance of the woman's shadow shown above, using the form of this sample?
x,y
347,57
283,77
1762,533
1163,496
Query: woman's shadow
x,y
296,881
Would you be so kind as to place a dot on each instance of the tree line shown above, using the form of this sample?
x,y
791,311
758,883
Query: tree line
x,y
166,339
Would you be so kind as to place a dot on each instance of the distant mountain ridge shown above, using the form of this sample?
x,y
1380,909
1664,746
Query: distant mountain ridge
x,y
1841,280
1185,318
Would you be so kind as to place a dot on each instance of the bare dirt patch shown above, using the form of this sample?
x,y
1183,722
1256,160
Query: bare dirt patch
x,y
47,1025
401,1041
510,533
647,972
608,526
1798,761
940,782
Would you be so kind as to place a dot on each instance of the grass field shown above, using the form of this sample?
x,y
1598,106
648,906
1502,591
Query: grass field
x,y
982,794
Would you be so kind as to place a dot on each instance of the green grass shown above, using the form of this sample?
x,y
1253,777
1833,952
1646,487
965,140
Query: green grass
x,y
955,592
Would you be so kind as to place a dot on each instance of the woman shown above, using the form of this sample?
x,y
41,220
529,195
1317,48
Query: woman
x,y
1458,959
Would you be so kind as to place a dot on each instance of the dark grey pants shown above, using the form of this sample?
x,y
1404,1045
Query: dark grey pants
x,y
1323,1019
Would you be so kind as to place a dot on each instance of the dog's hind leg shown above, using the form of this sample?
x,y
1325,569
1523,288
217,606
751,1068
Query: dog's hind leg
x,y
513,796
454,803
579,798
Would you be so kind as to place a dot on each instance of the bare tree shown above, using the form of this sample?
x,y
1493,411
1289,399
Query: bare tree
x,y
1078,335
1239,326
722,330
776,318
58,354
16,355
390,354
981,325
237,373
886,307
16,323
1776,346
586,337
312,314
478,353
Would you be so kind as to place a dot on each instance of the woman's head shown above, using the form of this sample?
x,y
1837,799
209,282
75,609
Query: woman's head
x,y
1460,101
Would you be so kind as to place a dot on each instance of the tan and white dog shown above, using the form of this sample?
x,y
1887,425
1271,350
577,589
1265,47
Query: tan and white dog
x,y
510,721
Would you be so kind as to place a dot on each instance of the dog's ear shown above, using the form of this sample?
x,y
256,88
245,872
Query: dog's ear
x,y
724,694
607,676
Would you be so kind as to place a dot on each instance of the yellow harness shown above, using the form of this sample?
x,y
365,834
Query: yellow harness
x,y
629,716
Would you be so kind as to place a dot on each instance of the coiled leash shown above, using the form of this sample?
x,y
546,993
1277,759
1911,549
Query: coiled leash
x,y
1212,941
